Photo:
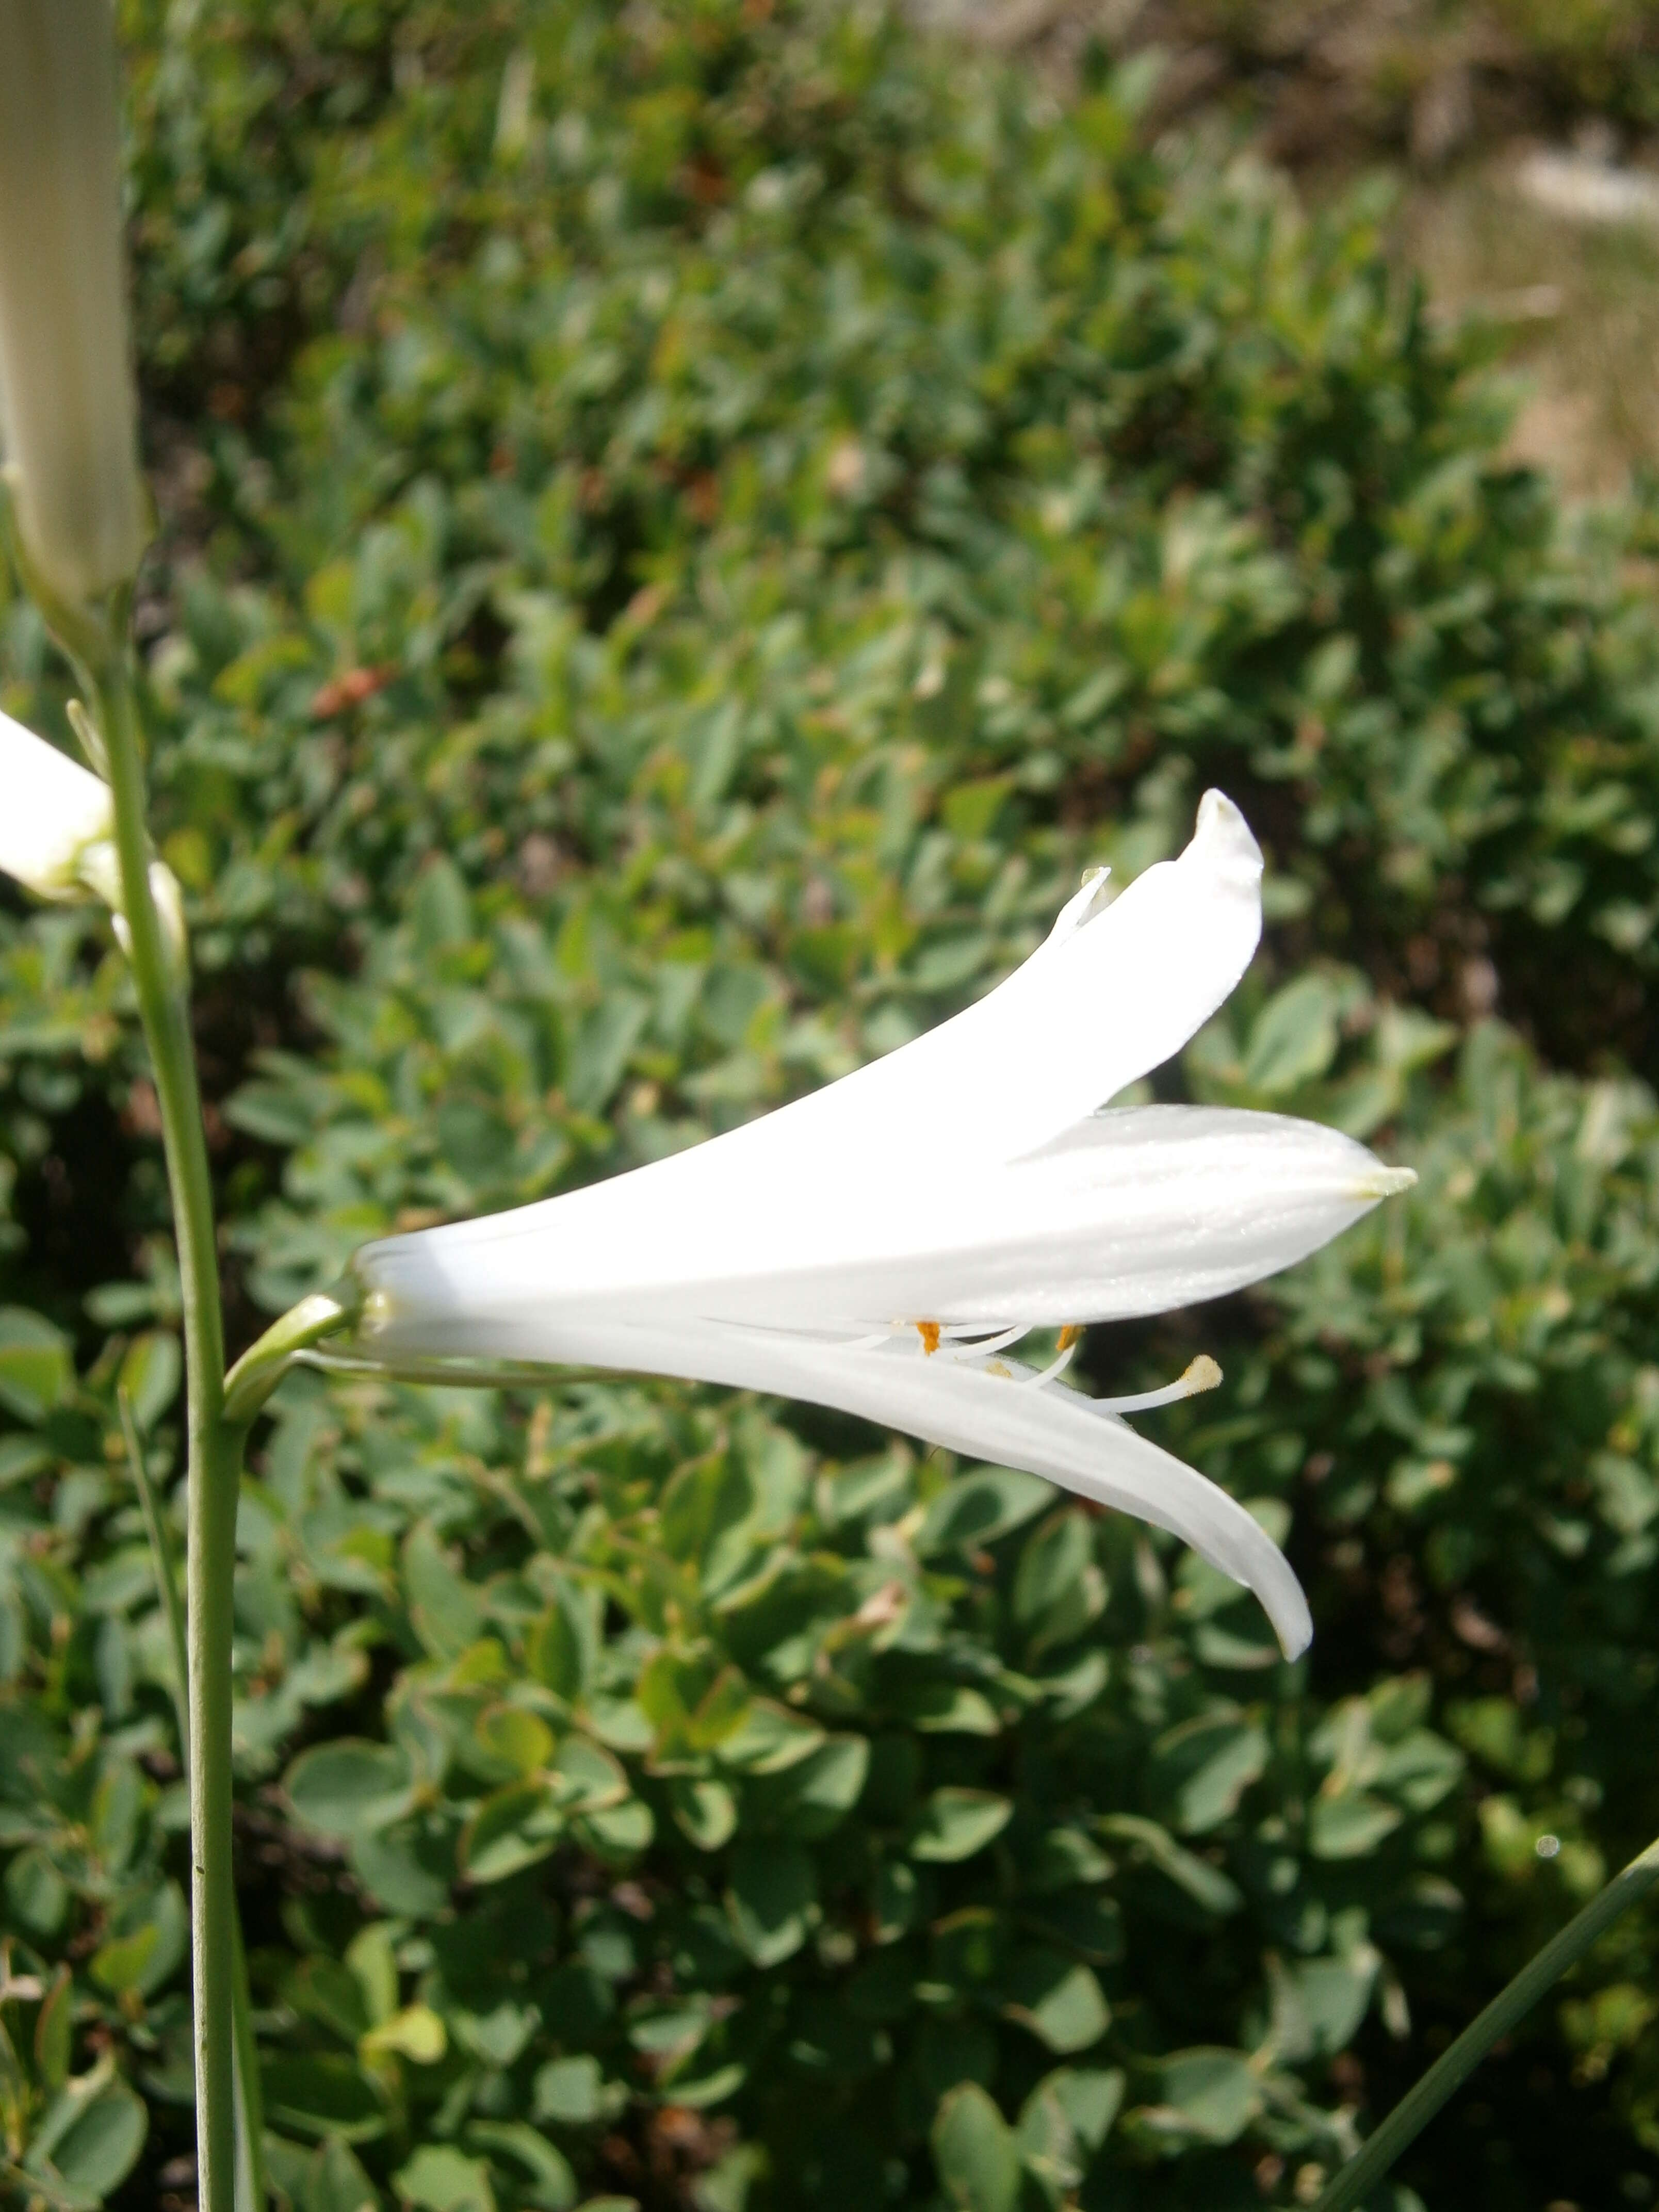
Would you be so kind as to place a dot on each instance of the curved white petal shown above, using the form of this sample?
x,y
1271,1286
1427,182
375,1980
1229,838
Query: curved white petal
x,y
1132,1211
1110,995
1053,1432
56,820
1113,992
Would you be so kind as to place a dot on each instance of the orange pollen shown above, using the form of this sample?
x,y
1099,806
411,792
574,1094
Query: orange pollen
x,y
928,1331
1069,1335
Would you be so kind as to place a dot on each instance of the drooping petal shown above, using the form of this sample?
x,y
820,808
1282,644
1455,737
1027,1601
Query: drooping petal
x,y
1052,1432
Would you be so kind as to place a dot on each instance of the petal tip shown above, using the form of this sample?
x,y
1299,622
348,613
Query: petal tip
x,y
1091,898
1284,1600
1382,1182
1295,1637
1223,839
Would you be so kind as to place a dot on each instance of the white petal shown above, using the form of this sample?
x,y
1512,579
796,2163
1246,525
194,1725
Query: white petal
x,y
1114,992
1132,1211
55,822
1110,995
1135,1211
1052,1432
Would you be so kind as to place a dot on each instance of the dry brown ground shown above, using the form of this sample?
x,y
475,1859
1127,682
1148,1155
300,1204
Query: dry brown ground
x,y
1451,97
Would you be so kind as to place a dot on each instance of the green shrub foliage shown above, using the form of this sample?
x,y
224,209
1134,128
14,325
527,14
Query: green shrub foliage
x,y
684,529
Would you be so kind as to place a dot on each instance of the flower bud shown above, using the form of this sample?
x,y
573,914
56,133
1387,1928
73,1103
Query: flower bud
x,y
56,824
67,413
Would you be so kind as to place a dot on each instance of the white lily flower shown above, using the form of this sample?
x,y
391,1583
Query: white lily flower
x,y
67,413
877,1246
57,823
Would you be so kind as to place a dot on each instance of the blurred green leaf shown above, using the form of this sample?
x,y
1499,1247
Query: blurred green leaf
x,y
976,2151
955,1824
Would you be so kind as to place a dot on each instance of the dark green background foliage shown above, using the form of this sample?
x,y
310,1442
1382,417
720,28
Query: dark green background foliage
x,y
682,530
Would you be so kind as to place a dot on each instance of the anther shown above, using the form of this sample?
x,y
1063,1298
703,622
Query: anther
x,y
1202,1374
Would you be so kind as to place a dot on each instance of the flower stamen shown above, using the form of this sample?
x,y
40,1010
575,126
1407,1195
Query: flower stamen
x,y
967,1351
1203,1374
1070,1338
928,1331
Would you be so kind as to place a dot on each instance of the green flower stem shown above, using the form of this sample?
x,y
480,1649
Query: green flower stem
x,y
250,2103
1453,2066
216,1445
166,1588
264,1365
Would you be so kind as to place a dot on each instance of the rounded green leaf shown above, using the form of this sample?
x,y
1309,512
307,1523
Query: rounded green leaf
x,y
118,1965
618,1832
37,1896
811,1799
570,2091
322,2095
976,2151
585,1777
515,2142
350,1787
100,2146
953,1823
408,1867
1199,1771
334,2181
1350,1827
1058,1999
981,1507
150,1374
515,1741
510,1831
54,2031
439,2178
416,2032
706,1813
771,1900
1210,2095
36,1369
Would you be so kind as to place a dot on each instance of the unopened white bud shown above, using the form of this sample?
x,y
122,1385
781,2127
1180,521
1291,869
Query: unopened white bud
x,y
57,823
67,411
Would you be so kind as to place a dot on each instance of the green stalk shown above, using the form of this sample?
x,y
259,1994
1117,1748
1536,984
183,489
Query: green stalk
x,y
264,1365
167,1588
214,1445
1453,2066
250,2104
